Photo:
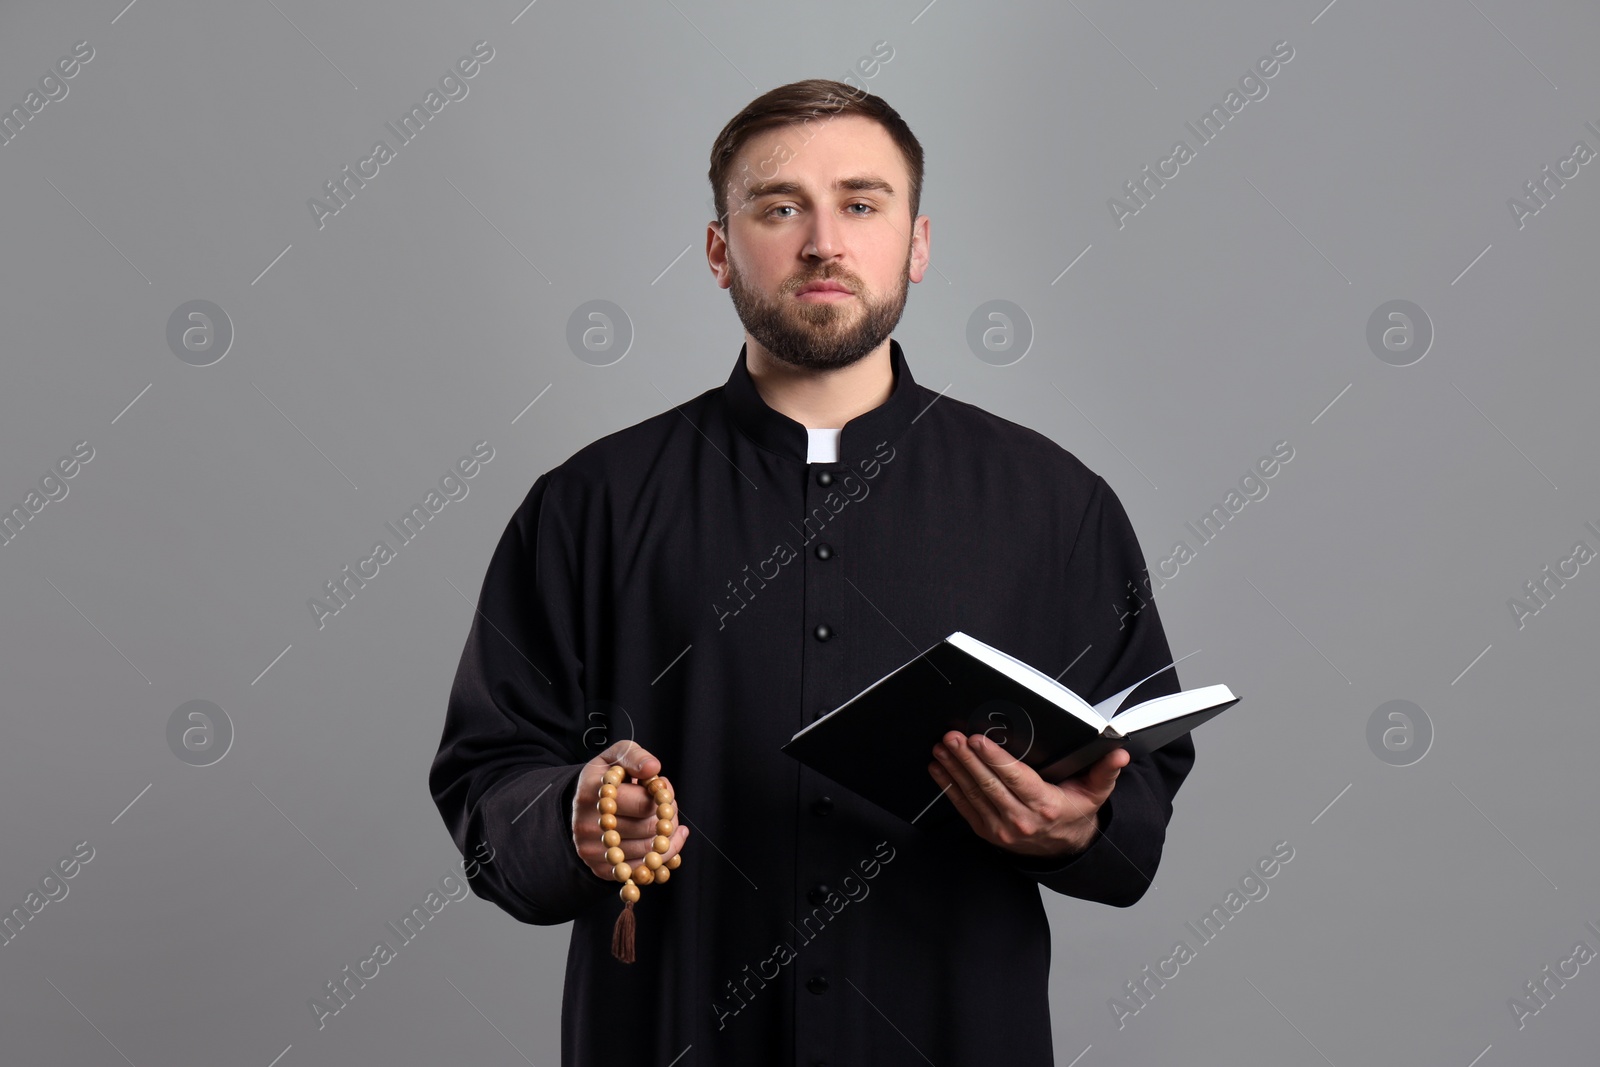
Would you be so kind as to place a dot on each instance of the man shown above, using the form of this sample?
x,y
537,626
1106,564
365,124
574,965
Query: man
x,y
685,594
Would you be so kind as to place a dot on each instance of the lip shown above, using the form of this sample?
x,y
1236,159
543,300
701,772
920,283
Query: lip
x,y
824,291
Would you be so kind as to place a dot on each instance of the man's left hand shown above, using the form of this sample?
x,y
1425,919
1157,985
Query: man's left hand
x,y
1009,805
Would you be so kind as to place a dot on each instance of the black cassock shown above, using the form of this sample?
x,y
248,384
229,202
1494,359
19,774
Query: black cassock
x,y
693,584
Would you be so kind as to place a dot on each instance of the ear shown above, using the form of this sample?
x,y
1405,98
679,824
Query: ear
x,y
920,249
717,254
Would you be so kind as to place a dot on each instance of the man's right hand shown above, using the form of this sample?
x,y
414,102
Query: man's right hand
x,y
637,821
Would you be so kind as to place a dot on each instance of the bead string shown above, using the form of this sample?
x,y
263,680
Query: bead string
x,y
653,869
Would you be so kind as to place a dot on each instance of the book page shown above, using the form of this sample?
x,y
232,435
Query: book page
x,y
1029,676
1171,706
1108,707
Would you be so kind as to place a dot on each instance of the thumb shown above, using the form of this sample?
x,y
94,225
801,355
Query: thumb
x,y
1101,778
633,757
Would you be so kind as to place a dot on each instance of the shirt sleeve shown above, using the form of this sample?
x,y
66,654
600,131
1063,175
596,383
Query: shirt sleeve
x,y
1107,585
512,750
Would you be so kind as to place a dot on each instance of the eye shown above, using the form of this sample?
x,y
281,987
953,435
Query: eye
x,y
780,207
869,207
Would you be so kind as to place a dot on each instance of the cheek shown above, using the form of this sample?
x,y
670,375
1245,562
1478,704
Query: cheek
x,y
764,263
886,265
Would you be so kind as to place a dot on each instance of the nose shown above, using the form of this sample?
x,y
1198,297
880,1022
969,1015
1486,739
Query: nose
x,y
824,243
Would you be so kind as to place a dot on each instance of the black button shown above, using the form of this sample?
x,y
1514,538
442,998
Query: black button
x,y
823,631
822,806
824,551
819,714
819,893
824,477
817,984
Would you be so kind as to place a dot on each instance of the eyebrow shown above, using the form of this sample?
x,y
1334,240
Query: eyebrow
x,y
788,188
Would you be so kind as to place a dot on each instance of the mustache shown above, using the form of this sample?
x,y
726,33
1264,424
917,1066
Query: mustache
x,y
842,279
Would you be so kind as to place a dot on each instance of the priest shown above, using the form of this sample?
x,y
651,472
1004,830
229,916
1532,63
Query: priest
x,y
683,595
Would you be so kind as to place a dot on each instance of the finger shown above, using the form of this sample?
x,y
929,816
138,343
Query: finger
x,y
644,829
634,806
635,849
1022,780
959,799
680,837
635,801
661,821
982,805
993,788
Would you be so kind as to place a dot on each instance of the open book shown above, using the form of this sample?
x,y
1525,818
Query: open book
x,y
879,742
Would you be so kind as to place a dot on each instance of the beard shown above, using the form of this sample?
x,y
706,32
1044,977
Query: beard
x,y
819,336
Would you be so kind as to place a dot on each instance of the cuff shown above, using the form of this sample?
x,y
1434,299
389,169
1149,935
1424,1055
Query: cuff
x,y
537,874
1043,868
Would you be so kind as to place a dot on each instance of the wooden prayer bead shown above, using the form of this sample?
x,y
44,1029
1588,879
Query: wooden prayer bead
x,y
653,868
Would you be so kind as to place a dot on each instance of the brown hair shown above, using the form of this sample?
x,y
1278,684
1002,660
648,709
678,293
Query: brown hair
x,y
797,104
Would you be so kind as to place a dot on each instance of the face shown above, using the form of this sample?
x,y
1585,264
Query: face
x,y
832,208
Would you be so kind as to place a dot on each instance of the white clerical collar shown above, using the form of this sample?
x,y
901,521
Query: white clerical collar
x,y
822,446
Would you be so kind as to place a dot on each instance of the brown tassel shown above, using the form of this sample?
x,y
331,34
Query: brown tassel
x,y
622,935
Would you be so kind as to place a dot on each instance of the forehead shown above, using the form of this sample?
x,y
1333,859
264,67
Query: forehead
x,y
817,153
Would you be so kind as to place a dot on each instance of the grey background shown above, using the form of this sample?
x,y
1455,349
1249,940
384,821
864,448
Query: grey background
x,y
427,315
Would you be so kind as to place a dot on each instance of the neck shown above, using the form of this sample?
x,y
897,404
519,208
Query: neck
x,y
821,399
